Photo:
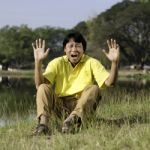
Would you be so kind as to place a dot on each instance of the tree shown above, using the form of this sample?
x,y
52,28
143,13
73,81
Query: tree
x,y
82,27
15,44
129,23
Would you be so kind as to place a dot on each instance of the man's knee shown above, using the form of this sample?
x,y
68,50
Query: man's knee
x,y
93,88
43,87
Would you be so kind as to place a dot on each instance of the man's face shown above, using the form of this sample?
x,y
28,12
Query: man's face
x,y
74,51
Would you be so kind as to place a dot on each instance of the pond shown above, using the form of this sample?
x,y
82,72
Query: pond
x,y
17,99
17,96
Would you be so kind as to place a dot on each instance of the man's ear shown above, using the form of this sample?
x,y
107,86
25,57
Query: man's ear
x,y
65,50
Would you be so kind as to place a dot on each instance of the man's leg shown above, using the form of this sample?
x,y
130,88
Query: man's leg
x,y
86,104
47,102
88,101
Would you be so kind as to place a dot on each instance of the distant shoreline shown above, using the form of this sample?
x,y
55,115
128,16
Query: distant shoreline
x,y
137,74
16,73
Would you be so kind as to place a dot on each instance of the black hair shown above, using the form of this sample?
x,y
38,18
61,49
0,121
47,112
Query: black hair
x,y
77,37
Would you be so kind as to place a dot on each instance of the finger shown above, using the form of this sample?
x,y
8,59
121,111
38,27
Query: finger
x,y
40,43
43,44
115,44
104,51
112,43
118,47
108,43
47,51
36,43
33,46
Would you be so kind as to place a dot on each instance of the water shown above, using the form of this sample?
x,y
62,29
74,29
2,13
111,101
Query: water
x,y
17,97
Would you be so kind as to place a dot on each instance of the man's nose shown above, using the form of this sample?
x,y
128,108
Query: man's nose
x,y
74,48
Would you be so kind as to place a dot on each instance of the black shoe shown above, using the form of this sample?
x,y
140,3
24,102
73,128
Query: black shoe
x,y
41,129
72,124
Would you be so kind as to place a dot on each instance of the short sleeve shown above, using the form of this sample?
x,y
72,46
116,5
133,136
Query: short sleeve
x,y
100,73
51,71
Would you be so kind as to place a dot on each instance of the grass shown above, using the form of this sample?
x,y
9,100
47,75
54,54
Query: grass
x,y
121,122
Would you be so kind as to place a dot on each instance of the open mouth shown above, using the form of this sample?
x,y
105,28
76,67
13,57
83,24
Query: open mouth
x,y
74,55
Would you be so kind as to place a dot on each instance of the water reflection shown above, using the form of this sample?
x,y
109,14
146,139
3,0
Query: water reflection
x,y
13,82
17,98
0,79
134,84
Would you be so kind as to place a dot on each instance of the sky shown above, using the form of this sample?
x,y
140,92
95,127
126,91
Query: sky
x,y
54,13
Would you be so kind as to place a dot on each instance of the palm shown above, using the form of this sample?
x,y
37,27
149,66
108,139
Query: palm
x,y
113,53
39,50
39,53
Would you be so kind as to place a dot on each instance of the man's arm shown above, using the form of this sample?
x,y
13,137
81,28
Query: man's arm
x,y
113,56
113,74
38,77
39,55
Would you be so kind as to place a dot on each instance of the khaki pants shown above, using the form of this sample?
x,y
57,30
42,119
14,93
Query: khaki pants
x,y
48,103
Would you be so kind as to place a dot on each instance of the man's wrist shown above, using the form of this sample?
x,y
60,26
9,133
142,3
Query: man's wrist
x,y
38,61
38,64
115,64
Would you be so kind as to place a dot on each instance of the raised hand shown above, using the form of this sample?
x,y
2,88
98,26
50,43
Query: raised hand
x,y
113,53
39,50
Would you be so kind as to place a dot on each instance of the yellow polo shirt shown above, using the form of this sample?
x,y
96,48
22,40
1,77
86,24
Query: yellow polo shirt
x,y
68,80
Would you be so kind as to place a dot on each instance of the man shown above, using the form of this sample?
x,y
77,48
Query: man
x,y
67,85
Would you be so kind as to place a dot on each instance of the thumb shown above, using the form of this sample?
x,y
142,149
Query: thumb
x,y
47,51
104,51
33,46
